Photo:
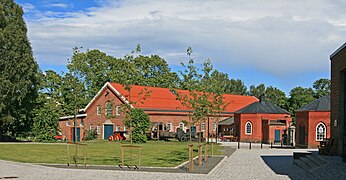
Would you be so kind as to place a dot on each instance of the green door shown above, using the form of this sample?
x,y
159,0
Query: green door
x,y
108,130
277,135
74,135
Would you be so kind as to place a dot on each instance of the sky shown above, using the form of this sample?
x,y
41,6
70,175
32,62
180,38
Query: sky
x,y
284,44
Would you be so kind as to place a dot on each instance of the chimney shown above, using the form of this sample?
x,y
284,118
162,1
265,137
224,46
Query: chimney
x,y
262,98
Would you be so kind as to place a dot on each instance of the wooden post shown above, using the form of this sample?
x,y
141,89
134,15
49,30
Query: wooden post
x,y
212,149
122,157
190,157
271,145
139,158
250,145
68,155
261,144
238,144
85,152
199,154
281,143
205,152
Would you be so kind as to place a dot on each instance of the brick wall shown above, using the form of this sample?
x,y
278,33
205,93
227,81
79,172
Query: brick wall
x,y
338,64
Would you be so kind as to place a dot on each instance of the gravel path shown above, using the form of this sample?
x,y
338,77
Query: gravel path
x,y
242,164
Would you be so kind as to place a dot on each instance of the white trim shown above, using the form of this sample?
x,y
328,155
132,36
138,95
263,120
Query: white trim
x,y
98,94
71,117
246,128
325,131
117,110
97,130
97,110
170,126
203,127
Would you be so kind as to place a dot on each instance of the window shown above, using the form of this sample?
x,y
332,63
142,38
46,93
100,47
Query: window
x,y
117,128
91,127
320,132
99,110
117,110
181,126
203,127
98,129
169,126
248,128
214,126
109,108
68,123
124,128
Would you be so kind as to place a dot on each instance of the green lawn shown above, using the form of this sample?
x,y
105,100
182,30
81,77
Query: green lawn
x,y
159,154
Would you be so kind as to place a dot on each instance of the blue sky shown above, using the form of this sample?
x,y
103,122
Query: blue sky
x,y
280,43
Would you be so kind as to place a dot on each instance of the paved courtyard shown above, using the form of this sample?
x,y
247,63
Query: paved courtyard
x,y
242,164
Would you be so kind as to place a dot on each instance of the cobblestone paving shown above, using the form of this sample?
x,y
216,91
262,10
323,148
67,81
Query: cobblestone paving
x,y
242,164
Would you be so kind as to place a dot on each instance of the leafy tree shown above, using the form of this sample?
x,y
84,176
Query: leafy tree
x,y
299,97
46,118
257,91
18,72
237,86
276,96
321,87
140,122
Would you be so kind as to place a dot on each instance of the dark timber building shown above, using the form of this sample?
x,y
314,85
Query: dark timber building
x,y
338,99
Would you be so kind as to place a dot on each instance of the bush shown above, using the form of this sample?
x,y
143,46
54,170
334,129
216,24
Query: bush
x,y
90,135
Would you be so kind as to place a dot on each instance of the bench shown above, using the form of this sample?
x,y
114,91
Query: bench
x,y
327,147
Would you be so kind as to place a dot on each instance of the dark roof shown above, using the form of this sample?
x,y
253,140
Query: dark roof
x,y
321,104
227,122
263,107
338,50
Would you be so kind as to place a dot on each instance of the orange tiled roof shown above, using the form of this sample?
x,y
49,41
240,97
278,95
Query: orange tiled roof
x,y
164,99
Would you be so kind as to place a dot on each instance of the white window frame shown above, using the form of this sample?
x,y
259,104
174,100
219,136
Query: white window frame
x,y
68,123
214,126
324,133
108,106
117,128
98,110
203,127
246,125
91,127
98,129
117,110
169,127
181,125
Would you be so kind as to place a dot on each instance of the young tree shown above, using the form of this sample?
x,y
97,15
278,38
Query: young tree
x,y
140,122
18,72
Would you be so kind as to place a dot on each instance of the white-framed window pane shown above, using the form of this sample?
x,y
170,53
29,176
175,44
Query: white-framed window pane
x,y
91,127
117,128
203,127
99,110
320,132
181,126
98,129
118,110
248,128
214,126
109,109
169,126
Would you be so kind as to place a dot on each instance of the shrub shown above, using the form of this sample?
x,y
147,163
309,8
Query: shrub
x,y
139,121
90,135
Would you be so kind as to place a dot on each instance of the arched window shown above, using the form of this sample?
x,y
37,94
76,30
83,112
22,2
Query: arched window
x,y
248,128
320,132
109,108
181,126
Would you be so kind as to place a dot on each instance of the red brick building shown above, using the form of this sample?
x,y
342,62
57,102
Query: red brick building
x,y
313,123
261,121
338,99
103,112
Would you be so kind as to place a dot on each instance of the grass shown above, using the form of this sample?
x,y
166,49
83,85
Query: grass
x,y
153,153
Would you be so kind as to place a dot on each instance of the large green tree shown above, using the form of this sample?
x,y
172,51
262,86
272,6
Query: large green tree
x,y
321,87
18,71
257,91
299,97
276,96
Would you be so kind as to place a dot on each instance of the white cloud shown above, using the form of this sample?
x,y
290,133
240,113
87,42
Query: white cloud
x,y
279,37
59,5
